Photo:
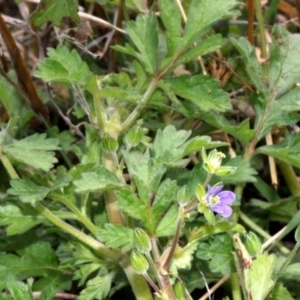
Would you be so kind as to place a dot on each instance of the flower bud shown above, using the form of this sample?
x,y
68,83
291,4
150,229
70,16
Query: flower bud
x,y
134,136
252,243
212,163
183,196
142,241
200,192
110,144
139,262
209,216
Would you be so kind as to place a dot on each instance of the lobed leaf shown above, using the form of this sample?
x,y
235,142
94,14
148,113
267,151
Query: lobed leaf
x,y
54,11
63,65
115,236
97,288
202,14
202,91
143,33
101,180
27,190
34,150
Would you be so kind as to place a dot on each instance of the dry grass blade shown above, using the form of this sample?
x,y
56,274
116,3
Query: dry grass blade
x,y
24,78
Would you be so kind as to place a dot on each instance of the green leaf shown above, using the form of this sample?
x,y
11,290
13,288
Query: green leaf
x,y
266,190
62,179
146,173
283,73
291,272
202,91
143,33
240,131
167,224
54,11
129,203
37,260
280,113
34,150
209,44
97,288
195,144
101,180
18,290
218,252
202,14
279,292
27,190
63,65
164,197
243,173
115,236
169,145
287,150
171,17
251,64
260,276
18,220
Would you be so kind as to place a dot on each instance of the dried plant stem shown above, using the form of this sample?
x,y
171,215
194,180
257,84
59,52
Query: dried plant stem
x,y
272,165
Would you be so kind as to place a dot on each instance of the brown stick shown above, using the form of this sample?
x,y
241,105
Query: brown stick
x,y
24,78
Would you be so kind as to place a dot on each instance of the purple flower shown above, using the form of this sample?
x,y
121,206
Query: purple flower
x,y
219,201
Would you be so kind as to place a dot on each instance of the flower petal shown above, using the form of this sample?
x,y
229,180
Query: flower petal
x,y
226,197
222,210
214,190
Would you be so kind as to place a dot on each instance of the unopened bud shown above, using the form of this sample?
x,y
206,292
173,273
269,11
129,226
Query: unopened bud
x,y
142,241
200,192
110,144
134,136
212,162
252,244
139,262
183,196
225,170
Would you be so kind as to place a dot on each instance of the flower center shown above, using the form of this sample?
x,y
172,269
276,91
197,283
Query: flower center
x,y
213,200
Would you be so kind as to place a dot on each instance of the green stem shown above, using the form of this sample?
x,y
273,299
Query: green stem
x,y
80,216
94,244
87,240
113,211
253,226
290,178
261,28
235,287
138,283
154,269
7,165
138,109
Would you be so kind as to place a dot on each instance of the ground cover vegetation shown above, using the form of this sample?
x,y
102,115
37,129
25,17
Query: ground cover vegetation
x,y
149,149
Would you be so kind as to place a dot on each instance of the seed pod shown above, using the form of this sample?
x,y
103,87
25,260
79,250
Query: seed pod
x,y
110,144
139,262
252,244
142,241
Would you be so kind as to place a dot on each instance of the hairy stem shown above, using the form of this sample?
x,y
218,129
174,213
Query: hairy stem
x,y
166,265
87,240
138,109
80,216
138,283
235,287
